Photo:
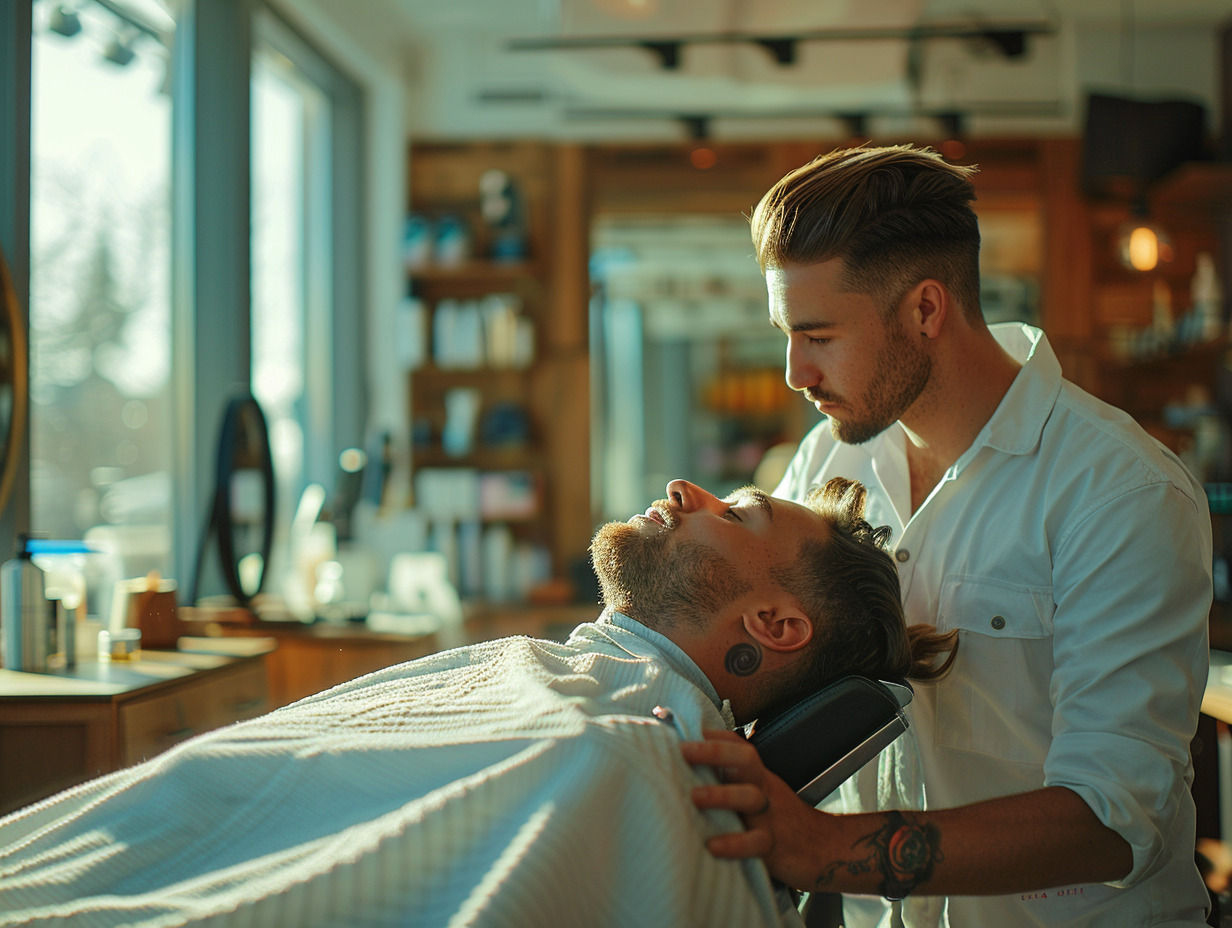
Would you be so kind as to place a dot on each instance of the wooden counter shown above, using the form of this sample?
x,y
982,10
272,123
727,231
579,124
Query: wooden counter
x,y
61,728
311,658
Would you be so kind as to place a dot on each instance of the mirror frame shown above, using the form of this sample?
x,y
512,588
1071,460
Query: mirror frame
x,y
11,315
242,417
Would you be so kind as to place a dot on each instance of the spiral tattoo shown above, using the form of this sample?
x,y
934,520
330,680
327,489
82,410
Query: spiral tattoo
x,y
742,660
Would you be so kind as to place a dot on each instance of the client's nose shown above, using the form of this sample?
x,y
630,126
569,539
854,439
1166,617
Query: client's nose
x,y
689,497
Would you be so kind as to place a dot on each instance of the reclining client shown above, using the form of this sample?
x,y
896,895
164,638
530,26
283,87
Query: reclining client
x,y
513,782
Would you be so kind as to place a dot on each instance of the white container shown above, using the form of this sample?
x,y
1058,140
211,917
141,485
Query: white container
x,y
27,616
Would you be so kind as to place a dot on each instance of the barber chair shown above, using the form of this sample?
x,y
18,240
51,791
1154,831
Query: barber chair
x,y
820,741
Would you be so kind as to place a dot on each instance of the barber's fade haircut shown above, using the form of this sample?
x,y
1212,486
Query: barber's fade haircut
x,y
848,585
895,216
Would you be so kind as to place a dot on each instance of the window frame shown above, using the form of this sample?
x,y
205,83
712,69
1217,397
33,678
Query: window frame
x,y
16,22
211,246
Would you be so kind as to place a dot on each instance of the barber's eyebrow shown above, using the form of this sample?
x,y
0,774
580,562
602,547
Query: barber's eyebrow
x,y
808,325
758,498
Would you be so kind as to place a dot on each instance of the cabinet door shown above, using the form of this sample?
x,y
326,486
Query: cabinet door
x,y
152,724
47,747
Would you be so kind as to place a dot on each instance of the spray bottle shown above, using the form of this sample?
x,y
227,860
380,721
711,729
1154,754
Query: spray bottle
x,y
27,617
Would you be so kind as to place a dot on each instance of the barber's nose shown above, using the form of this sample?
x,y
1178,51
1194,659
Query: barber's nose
x,y
689,497
800,370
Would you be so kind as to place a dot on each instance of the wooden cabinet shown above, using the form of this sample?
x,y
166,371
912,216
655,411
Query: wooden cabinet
x,y
313,658
149,725
61,729
1177,389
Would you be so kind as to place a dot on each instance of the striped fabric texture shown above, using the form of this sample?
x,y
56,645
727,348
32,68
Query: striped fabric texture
x,y
511,783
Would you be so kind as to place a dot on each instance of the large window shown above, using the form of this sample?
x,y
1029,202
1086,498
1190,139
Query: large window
x,y
287,112
100,279
153,150
303,118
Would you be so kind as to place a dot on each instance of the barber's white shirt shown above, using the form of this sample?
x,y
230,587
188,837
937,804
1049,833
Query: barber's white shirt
x,y
512,783
1073,553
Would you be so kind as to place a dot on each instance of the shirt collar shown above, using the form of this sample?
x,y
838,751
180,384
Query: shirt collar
x,y
661,646
1018,422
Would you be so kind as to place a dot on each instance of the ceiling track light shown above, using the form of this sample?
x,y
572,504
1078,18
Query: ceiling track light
x,y
1008,38
783,51
119,51
667,52
64,20
697,127
951,122
856,124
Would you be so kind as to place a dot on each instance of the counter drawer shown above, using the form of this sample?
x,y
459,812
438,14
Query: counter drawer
x,y
150,725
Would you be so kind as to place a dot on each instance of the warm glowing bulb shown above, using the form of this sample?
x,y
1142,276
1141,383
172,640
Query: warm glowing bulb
x,y
1143,248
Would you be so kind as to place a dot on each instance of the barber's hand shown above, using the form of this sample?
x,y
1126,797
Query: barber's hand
x,y
777,820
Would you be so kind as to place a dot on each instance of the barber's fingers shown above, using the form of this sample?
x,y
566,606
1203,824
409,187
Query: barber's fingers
x,y
727,752
744,798
756,842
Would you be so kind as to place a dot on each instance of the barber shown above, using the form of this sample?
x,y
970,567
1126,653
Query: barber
x,y
1046,780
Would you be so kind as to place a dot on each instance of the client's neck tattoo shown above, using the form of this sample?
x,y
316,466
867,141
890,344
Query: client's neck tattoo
x,y
742,660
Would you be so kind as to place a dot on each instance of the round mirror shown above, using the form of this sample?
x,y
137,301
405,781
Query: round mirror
x,y
13,382
241,516
244,505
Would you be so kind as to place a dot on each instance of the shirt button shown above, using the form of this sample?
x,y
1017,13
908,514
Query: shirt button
x,y
902,555
998,622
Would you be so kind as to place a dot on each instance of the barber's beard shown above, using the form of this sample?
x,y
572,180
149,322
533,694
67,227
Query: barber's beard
x,y
900,372
659,582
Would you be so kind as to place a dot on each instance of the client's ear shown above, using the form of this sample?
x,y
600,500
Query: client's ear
x,y
779,628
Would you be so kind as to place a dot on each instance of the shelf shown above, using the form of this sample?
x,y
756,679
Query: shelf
x,y
479,459
489,272
1198,360
470,376
550,391
1202,186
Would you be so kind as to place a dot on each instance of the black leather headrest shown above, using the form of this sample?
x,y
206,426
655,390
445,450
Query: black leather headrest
x,y
812,735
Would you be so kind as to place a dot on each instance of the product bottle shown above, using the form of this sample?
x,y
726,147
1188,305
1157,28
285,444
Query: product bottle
x,y
1207,296
27,617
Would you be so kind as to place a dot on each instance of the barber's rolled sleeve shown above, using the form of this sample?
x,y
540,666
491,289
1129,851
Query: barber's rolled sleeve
x,y
1133,599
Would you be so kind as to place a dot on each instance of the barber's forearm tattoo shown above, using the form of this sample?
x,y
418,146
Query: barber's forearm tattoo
x,y
742,660
902,851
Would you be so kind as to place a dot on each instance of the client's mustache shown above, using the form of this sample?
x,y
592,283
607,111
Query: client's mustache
x,y
661,506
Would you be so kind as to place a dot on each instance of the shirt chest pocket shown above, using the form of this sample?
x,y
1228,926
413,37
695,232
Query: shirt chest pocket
x,y
996,699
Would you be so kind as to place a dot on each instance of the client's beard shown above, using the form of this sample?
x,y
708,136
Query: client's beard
x,y
658,583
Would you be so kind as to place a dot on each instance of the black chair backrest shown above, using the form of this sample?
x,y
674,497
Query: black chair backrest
x,y
826,737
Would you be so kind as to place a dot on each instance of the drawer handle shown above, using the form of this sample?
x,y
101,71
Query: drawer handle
x,y
247,705
180,734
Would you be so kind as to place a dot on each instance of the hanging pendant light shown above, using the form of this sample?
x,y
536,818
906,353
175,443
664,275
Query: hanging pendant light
x,y
1142,245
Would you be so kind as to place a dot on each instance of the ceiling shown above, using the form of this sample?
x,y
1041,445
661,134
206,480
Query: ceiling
x,y
467,79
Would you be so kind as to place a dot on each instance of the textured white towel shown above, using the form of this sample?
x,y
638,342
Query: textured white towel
x,y
512,783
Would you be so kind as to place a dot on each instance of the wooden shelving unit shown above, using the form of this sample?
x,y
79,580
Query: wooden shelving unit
x,y
1194,207
550,393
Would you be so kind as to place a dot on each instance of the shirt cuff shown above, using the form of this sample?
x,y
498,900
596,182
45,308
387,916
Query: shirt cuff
x,y
1132,787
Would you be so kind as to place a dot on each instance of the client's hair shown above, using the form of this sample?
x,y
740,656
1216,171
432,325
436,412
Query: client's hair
x,y
848,585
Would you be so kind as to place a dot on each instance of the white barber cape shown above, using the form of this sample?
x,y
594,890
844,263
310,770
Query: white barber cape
x,y
511,783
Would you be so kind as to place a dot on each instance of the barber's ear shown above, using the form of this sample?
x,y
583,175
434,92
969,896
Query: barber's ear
x,y
779,629
929,302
